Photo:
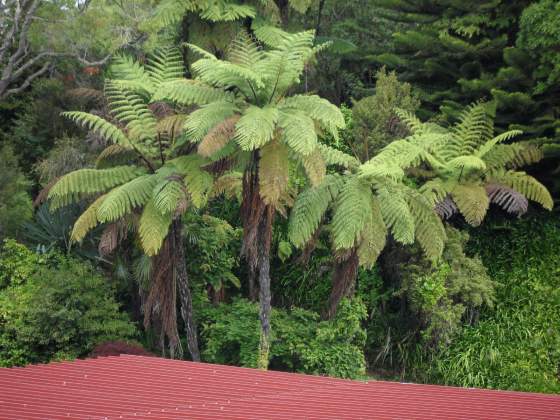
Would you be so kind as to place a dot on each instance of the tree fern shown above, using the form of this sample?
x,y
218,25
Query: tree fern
x,y
87,221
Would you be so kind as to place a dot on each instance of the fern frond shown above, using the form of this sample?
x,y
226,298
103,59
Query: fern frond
x,y
125,198
334,156
229,184
114,155
507,198
327,115
170,195
153,228
472,202
413,123
218,137
526,185
220,73
256,127
310,207
99,126
374,237
513,156
475,128
171,125
224,11
201,121
165,65
464,164
430,231
396,214
315,167
273,172
130,109
298,132
353,210
271,36
190,92
446,208
75,185
87,221
125,68
489,145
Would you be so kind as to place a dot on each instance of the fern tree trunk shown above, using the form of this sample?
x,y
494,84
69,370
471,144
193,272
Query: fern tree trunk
x,y
184,290
343,282
257,236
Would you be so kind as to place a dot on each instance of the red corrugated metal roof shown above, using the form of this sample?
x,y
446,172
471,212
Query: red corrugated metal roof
x,y
137,387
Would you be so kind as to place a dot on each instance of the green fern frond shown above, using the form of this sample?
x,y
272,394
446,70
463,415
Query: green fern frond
x,y
513,156
526,185
165,65
170,195
410,120
333,156
123,199
99,126
374,237
73,186
298,132
256,127
430,231
310,207
201,121
397,214
327,115
490,144
190,92
127,69
224,11
472,202
353,210
87,221
130,109
153,228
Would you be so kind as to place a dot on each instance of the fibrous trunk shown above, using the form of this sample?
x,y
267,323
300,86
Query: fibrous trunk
x,y
185,292
257,235
169,273
343,282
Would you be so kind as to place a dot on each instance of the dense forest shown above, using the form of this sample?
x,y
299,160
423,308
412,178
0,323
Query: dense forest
x,y
359,189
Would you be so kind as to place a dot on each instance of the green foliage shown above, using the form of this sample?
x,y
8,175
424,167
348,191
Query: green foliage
x,y
15,202
300,342
54,307
211,248
375,123
516,345
419,308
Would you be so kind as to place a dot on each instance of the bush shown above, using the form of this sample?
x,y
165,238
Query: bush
x,y
518,345
53,307
300,343
15,202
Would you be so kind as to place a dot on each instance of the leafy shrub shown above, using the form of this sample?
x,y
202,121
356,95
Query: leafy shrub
x,y
15,202
53,307
300,343
517,346
417,308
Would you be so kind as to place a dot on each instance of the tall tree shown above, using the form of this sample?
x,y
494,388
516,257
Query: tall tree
x,y
248,115
144,181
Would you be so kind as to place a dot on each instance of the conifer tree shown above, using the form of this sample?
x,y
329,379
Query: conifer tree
x,y
458,52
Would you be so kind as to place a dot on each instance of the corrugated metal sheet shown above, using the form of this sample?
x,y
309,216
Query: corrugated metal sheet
x,y
136,387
